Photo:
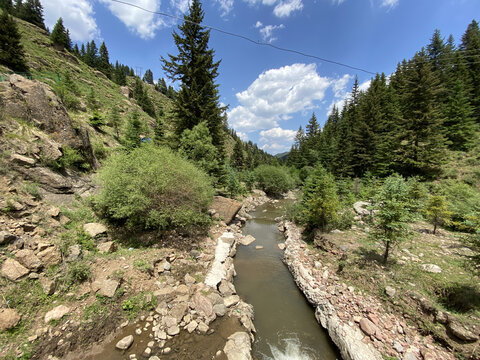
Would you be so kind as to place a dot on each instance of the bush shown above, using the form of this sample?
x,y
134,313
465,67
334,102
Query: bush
x,y
153,188
274,180
320,203
96,120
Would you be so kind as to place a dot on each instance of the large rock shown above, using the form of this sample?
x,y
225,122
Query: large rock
x,y
6,238
28,259
108,287
48,179
461,333
202,304
431,268
13,270
36,103
360,208
238,347
226,208
74,253
246,240
22,160
9,318
106,247
125,343
56,313
94,229
50,256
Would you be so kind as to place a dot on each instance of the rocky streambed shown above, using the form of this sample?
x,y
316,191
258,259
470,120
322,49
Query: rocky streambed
x,y
357,323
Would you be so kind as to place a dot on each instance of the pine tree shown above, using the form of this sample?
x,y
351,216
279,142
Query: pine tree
x,y
134,130
76,51
11,50
195,68
114,120
161,86
470,46
422,134
437,211
237,159
60,36
148,77
6,5
31,11
103,61
119,75
91,54
141,95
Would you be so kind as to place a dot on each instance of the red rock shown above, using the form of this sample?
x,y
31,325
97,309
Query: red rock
x,y
367,327
373,318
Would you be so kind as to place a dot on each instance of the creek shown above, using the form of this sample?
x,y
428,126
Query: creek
x,y
285,322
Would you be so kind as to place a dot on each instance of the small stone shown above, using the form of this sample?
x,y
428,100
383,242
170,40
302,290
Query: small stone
x,y
258,247
398,347
231,300
125,343
461,332
367,327
166,266
48,286
390,291
189,280
173,330
166,350
56,313
109,287
281,246
50,256
74,253
247,240
27,258
9,318
431,268
147,352
138,331
53,211
220,309
6,238
202,327
192,326
106,247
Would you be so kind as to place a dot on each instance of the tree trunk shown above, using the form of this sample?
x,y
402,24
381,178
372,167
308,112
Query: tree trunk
x,y
434,228
385,254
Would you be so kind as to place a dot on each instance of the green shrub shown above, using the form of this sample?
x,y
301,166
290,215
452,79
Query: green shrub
x,y
320,203
77,273
96,120
274,180
153,188
32,189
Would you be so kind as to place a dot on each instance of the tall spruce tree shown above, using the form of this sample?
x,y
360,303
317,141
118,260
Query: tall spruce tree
x,y
31,11
60,35
470,46
103,61
148,77
6,5
195,68
237,158
11,50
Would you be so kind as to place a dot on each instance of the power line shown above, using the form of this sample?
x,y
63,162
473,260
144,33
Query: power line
x,y
256,42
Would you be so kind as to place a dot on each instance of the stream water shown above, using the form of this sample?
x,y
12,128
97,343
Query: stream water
x,y
285,322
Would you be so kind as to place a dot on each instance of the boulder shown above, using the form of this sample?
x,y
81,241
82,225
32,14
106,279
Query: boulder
x,y
192,325
108,287
50,256
56,313
431,268
461,333
74,253
173,330
238,347
202,304
22,160
220,309
53,211
390,291
226,208
94,229
246,240
48,286
28,259
13,270
48,179
125,343
9,318
226,288
367,327
360,208
231,300
6,238
106,247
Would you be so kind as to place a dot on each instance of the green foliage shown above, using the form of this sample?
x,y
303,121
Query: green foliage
x,y
141,95
92,102
60,36
137,303
12,54
463,203
196,145
148,77
248,178
152,188
320,203
417,194
134,130
143,265
393,215
274,180
114,120
33,189
71,158
77,273
96,120
99,150
437,211
232,181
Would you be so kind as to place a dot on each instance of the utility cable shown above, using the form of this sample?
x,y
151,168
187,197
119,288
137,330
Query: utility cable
x,y
256,42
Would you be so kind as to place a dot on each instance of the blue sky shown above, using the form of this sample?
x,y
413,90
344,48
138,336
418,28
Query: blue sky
x,y
271,93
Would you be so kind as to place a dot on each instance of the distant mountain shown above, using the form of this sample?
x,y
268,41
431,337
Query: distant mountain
x,y
282,156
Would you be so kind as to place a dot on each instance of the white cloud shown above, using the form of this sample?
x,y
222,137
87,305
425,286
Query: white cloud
x,y
77,16
226,6
276,94
276,139
389,4
139,21
181,5
365,85
338,2
267,31
340,86
242,135
285,8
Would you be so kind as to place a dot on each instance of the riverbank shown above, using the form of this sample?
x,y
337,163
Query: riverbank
x,y
358,323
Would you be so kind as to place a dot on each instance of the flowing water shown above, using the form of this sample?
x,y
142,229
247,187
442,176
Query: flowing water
x,y
285,322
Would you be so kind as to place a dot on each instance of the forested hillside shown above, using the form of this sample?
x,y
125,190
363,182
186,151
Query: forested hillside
x,y
422,120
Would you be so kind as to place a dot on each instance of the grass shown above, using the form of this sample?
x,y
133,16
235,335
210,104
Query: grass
x,y
143,265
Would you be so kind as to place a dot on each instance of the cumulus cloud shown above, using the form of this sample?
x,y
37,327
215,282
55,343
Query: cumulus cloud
x,y
338,2
276,94
266,31
181,5
139,21
340,86
342,95
276,139
389,4
77,15
225,6
365,85
285,8
282,8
